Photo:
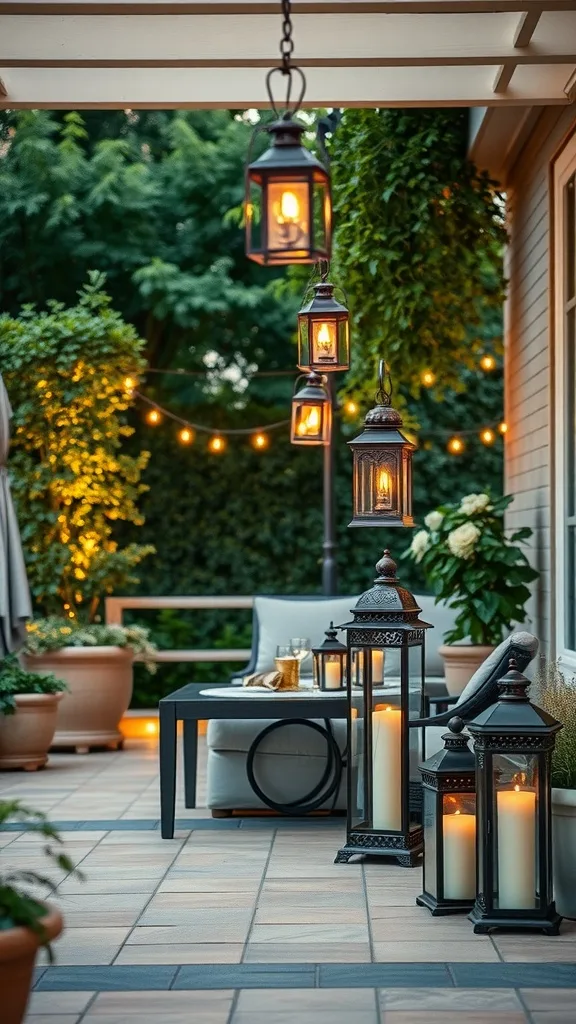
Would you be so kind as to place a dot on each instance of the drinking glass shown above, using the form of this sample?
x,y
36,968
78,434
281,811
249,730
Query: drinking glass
x,y
301,647
289,667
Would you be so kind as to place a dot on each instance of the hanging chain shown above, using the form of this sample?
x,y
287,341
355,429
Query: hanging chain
x,y
286,43
384,393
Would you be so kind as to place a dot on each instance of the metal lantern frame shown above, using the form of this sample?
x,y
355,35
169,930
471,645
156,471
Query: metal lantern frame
x,y
313,395
330,651
382,465
323,313
287,167
513,729
450,774
385,618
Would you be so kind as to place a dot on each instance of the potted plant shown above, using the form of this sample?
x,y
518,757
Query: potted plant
x,y
95,663
558,696
476,567
26,922
28,708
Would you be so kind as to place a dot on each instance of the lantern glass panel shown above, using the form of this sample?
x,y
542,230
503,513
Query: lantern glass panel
x,y
459,846
253,214
430,845
322,214
415,710
308,421
288,217
357,754
325,341
515,835
377,491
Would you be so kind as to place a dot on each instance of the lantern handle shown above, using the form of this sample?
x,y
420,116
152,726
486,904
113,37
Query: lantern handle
x,y
288,111
384,393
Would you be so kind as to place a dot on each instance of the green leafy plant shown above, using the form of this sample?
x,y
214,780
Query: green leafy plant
x,y
65,371
53,633
473,565
14,680
557,695
18,907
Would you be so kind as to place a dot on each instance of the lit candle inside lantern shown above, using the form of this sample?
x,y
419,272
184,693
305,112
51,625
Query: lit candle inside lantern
x,y
287,220
459,832
324,336
516,848
333,674
383,488
377,666
386,768
310,421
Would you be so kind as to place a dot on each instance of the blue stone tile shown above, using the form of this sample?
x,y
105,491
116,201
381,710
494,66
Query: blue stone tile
x,y
198,824
107,979
417,975
215,976
37,974
514,975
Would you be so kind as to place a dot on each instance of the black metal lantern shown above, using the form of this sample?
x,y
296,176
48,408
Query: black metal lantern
x,y
288,207
311,412
513,744
385,691
449,818
382,469
324,332
330,662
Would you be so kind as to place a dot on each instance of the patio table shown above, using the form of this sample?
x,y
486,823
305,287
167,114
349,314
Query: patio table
x,y
189,706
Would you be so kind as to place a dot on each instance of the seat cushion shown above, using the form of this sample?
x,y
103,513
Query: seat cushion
x,y
280,619
293,740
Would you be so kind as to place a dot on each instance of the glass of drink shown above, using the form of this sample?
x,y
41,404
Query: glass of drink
x,y
289,667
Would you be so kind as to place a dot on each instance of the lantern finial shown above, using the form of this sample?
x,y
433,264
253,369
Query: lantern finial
x,y
386,567
514,685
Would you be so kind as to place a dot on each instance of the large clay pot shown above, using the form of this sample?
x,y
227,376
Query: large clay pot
x,y
100,689
25,736
18,949
564,850
460,664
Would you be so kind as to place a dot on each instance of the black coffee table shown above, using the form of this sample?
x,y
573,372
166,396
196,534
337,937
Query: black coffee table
x,y
189,706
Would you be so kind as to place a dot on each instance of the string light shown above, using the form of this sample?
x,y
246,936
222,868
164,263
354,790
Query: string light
x,y
487,436
186,436
217,444
488,363
455,446
350,408
259,441
154,417
428,378
503,427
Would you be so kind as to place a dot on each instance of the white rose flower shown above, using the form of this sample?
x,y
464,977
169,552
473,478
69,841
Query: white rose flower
x,y
462,540
419,545
473,503
433,520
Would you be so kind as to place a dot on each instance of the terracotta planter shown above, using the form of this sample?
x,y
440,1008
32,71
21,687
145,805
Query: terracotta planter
x,y
25,736
564,850
460,664
18,949
100,685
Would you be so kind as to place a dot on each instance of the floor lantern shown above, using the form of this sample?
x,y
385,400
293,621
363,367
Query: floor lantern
x,y
311,412
513,744
382,817
330,662
324,332
382,466
449,818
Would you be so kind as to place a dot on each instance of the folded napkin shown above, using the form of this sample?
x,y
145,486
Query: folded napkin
x,y
269,680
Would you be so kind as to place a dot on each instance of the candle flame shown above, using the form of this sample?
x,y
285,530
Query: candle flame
x,y
456,812
516,789
289,206
310,422
324,340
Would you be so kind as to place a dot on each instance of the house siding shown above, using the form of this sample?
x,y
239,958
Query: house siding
x,y
529,357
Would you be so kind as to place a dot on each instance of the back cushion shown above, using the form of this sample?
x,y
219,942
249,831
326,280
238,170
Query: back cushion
x,y
280,619
442,618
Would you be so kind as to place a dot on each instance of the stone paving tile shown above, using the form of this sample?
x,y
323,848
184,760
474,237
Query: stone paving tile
x,y
514,975
106,885
281,1000
390,929
182,953
225,928
287,914
58,1002
452,1017
461,999
52,1018
526,949
425,975
553,999
270,1016
307,952
430,951
322,933
89,945
553,1016
162,1003
112,979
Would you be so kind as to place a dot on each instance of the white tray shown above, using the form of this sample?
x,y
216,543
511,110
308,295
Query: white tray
x,y
261,691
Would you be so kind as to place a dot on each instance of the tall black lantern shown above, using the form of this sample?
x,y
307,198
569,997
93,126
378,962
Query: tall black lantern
x,y
311,413
382,469
386,647
513,744
324,332
449,817
330,662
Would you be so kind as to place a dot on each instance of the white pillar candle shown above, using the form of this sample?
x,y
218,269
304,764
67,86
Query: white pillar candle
x,y
333,675
387,768
377,666
459,831
516,848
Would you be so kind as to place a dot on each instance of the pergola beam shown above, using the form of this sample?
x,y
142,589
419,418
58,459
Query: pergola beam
x,y
527,27
226,7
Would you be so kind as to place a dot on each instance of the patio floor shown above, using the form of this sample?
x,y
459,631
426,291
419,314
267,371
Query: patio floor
x,y
246,921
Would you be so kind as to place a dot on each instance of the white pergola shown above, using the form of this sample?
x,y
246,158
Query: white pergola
x,y
163,53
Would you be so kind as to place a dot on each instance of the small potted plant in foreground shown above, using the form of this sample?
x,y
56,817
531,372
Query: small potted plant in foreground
x,y
26,922
476,567
28,709
557,695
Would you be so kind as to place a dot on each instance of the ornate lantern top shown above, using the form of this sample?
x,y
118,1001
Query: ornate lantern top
x,y
331,645
286,152
387,603
379,422
455,756
514,713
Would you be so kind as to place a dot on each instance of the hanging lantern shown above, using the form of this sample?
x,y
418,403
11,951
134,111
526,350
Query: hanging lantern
x,y
324,332
382,469
385,642
330,662
288,207
311,413
513,744
449,817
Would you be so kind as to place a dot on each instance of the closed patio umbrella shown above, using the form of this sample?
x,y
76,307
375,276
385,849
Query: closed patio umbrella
x,y
15,604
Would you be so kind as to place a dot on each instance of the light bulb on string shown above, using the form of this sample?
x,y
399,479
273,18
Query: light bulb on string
x,y
487,436
259,441
154,417
455,446
217,444
503,427
428,378
488,363
350,408
186,436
